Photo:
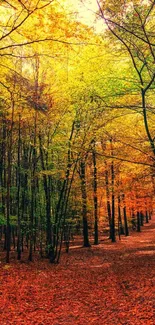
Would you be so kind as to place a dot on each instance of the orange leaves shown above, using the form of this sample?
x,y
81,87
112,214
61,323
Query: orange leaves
x,y
90,286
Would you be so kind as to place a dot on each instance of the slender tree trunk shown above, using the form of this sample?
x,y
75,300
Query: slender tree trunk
x,y
25,163
108,199
84,204
120,225
13,237
125,217
33,189
95,196
47,189
34,160
113,235
33,193
9,165
3,174
138,222
18,193
147,217
141,219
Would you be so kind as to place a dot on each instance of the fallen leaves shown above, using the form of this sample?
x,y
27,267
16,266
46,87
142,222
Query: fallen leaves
x,y
109,284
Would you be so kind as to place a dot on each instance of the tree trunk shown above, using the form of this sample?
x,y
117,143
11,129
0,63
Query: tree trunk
x,y
84,204
141,219
138,222
108,200
113,235
95,196
18,194
120,225
8,184
147,217
125,218
33,190
47,189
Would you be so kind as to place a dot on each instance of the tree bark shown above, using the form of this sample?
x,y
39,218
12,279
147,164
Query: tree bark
x,y
95,196
18,193
113,235
138,222
126,229
84,204
120,224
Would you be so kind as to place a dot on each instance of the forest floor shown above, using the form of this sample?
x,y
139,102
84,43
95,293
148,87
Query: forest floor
x,y
108,284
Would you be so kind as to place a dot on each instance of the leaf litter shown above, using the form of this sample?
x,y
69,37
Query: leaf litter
x,y
108,284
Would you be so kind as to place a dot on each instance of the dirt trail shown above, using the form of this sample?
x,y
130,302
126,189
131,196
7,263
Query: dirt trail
x,y
108,284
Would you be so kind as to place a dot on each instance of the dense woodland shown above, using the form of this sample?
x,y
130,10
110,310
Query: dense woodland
x,y
77,124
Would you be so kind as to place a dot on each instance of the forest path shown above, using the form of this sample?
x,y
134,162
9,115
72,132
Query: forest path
x,y
108,284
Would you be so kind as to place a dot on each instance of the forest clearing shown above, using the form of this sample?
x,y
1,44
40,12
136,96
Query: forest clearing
x,y
105,284
77,162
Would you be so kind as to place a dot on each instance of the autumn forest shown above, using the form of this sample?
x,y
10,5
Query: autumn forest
x,y
77,152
